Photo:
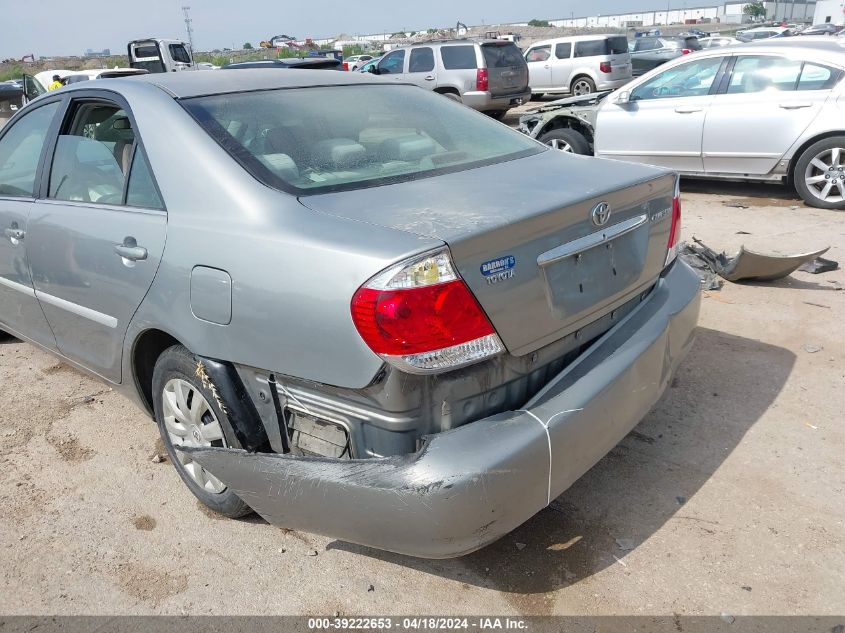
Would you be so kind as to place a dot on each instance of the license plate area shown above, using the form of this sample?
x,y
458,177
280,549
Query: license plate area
x,y
588,271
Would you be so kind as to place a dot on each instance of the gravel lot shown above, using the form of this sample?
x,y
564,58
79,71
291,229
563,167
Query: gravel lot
x,y
728,497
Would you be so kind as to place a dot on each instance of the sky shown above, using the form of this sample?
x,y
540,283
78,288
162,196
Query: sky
x,y
69,27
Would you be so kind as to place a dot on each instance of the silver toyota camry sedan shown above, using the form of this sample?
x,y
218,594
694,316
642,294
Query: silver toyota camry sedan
x,y
352,306
773,110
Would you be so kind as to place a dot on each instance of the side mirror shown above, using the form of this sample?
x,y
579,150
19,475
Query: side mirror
x,y
623,98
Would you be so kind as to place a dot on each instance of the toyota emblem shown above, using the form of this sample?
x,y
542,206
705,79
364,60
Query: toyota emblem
x,y
600,214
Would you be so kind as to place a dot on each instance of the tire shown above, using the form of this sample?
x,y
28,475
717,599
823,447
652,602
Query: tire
x,y
566,140
176,390
582,86
536,96
453,96
497,114
5,336
819,174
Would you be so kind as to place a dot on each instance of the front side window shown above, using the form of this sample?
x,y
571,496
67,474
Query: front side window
x,y
92,157
693,79
539,54
458,57
393,63
563,51
422,60
179,53
293,140
20,151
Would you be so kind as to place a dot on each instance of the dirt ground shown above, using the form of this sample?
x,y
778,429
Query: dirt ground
x,y
729,497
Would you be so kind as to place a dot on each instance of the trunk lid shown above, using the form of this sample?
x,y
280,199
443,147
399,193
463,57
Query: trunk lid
x,y
507,71
620,58
522,235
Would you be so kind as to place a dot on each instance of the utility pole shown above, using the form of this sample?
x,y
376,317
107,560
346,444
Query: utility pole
x,y
188,28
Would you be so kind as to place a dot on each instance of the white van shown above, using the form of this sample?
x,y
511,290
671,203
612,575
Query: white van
x,y
579,65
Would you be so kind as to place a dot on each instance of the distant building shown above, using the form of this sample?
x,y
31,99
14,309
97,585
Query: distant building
x,y
829,11
92,53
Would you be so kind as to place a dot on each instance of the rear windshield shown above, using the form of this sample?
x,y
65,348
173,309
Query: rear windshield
x,y
499,56
607,46
458,57
692,43
304,141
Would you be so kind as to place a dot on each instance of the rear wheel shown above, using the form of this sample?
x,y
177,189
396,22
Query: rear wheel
x,y
566,140
497,114
819,174
582,86
188,414
454,96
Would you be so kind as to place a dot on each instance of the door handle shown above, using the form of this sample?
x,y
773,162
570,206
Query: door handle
x,y
795,106
687,110
429,78
546,66
15,234
132,253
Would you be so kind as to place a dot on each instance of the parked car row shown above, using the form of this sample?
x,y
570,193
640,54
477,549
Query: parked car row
x,y
770,110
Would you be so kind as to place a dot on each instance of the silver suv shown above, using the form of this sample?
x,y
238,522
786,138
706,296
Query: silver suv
x,y
487,75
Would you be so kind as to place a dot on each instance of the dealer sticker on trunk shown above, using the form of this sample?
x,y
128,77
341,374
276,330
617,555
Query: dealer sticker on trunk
x,y
500,269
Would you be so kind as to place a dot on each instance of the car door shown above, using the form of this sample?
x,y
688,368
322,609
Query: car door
x,y
663,119
393,65
22,147
421,69
562,64
95,239
539,63
762,109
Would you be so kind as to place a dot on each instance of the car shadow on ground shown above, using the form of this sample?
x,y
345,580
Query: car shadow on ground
x,y
722,389
748,193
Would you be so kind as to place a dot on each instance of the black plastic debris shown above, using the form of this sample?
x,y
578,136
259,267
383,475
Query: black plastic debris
x,y
705,270
819,265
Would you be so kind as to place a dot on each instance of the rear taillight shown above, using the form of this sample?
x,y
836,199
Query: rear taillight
x,y
482,80
605,67
675,229
686,51
421,317
345,65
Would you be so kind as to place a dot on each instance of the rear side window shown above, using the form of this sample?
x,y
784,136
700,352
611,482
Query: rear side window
x,y
458,57
815,77
498,56
646,45
762,74
422,60
591,48
20,151
692,43
141,190
563,51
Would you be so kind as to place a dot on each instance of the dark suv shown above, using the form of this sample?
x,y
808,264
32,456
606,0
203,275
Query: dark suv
x,y
650,52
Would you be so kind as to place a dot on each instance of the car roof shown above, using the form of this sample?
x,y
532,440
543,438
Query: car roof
x,y
577,38
821,49
188,84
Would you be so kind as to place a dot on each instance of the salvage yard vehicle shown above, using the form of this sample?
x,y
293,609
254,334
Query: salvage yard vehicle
x,y
648,53
157,55
377,327
579,64
487,75
303,63
767,111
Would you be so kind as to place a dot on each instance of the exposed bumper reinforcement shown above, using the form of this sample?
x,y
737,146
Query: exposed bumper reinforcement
x,y
469,486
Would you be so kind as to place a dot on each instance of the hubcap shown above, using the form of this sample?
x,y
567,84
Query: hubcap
x,y
562,145
581,88
825,175
190,421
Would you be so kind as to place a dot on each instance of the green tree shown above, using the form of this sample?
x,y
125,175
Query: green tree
x,y
539,23
755,10
248,46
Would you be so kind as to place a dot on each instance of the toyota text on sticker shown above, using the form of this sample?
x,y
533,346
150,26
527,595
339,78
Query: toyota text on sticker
x,y
500,269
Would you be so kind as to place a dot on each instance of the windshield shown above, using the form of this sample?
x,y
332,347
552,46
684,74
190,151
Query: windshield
x,y
309,140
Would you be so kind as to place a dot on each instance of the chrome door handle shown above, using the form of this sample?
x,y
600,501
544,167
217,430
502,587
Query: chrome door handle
x,y
687,110
429,78
132,253
795,106
15,234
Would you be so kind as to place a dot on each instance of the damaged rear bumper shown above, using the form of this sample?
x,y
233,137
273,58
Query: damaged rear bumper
x,y
469,486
